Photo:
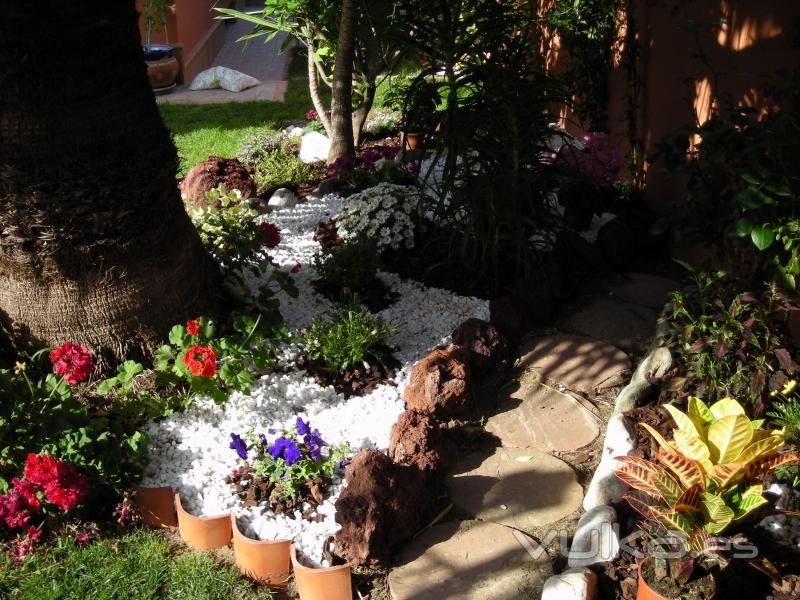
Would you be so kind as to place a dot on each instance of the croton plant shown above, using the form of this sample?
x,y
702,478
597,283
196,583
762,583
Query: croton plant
x,y
707,480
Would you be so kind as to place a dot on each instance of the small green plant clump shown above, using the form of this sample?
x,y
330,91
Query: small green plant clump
x,y
349,273
351,338
785,413
273,158
730,343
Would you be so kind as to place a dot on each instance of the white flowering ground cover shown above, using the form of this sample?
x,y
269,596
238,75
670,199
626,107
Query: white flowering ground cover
x,y
190,451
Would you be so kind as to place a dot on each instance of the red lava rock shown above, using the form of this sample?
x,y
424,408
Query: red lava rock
x,y
215,170
439,382
380,509
487,347
508,317
417,441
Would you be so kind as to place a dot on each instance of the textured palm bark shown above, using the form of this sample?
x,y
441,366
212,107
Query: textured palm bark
x,y
342,91
95,245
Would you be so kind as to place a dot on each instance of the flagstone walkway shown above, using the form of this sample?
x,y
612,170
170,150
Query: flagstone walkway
x,y
548,422
264,61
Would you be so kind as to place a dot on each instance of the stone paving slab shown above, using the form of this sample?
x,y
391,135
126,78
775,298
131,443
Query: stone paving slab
x,y
521,488
538,416
257,59
620,323
581,364
643,289
473,560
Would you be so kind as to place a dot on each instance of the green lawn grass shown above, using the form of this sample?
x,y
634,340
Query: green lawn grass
x,y
203,130
138,565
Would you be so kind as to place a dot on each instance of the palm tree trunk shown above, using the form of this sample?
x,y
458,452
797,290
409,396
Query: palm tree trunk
x,y
95,245
342,92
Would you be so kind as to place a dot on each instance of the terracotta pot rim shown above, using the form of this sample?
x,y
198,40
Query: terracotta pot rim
x,y
182,511
300,567
238,535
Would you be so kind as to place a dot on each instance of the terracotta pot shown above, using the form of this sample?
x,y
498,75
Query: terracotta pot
x,y
203,533
162,66
411,141
263,561
332,583
645,592
156,505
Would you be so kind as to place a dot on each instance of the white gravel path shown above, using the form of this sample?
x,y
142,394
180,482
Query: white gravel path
x,y
190,451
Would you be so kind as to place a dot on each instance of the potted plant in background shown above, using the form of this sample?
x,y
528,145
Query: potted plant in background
x,y
162,66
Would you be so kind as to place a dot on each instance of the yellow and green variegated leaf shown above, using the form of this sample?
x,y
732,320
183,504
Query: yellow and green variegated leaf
x,y
701,543
766,463
727,474
716,513
690,499
727,437
727,407
700,414
649,478
757,423
657,437
643,508
752,498
675,522
692,447
688,471
759,449
683,422
763,434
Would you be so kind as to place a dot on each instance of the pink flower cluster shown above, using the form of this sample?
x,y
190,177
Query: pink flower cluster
x,y
45,480
600,160
371,156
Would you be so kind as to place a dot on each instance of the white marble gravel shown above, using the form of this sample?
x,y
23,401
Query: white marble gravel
x,y
190,451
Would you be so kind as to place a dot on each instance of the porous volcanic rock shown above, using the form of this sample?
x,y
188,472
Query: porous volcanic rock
x,y
213,171
439,382
487,347
417,441
381,508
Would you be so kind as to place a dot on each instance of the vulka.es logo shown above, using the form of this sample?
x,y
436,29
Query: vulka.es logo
x,y
603,539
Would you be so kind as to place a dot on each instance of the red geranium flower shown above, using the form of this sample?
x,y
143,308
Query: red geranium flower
x,y
193,326
201,361
28,490
40,469
295,269
14,510
271,235
72,362
68,488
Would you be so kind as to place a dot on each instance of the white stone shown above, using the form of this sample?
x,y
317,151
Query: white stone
x,y
652,368
282,198
314,147
572,584
596,538
604,487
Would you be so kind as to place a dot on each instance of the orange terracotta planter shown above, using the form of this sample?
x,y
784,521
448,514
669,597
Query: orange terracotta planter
x,y
203,533
411,141
645,592
332,583
261,560
156,506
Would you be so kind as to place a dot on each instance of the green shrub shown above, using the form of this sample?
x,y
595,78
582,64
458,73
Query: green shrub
x,y
257,146
280,169
349,339
351,268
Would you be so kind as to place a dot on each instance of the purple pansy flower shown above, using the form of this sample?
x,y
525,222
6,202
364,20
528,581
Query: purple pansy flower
x,y
262,439
286,449
238,444
314,444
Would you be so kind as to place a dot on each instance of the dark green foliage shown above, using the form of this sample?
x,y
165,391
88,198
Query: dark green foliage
x,y
588,29
743,195
488,120
728,343
349,273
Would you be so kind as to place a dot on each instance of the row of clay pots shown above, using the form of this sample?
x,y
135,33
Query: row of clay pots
x,y
262,561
